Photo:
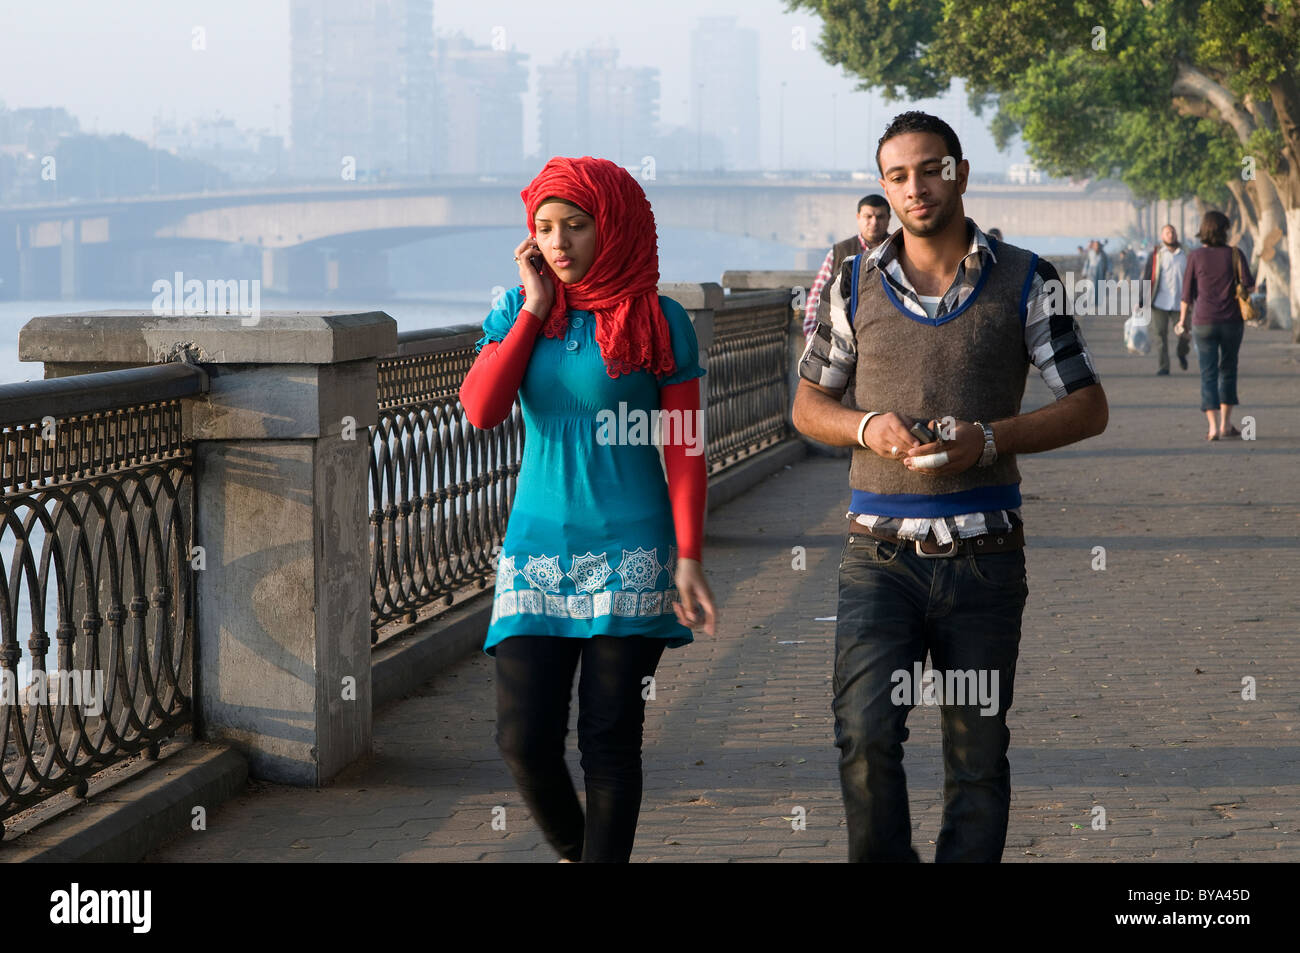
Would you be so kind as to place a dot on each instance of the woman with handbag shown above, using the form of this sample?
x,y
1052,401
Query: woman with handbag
x,y
598,543
1216,280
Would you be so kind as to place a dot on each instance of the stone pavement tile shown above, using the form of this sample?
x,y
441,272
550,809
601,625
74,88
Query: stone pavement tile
x,y
538,855
442,855
805,853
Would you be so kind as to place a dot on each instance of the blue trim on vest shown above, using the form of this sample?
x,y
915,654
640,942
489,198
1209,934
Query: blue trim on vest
x,y
853,295
981,499
935,322
1024,292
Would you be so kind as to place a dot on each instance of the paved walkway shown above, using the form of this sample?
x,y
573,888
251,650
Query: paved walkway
x,y
1128,690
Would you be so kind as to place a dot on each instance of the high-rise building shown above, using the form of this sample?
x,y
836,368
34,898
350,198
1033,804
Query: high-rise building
x,y
362,86
724,88
590,105
480,107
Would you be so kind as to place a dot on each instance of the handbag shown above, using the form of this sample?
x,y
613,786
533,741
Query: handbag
x,y
1248,312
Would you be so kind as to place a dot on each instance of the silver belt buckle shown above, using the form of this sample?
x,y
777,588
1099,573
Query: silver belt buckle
x,y
952,550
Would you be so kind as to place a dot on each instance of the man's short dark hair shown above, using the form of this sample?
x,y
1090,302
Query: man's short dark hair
x,y
916,121
876,201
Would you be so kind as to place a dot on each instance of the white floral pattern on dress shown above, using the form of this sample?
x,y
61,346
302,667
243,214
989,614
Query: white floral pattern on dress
x,y
625,604
628,605
640,568
506,573
544,572
590,571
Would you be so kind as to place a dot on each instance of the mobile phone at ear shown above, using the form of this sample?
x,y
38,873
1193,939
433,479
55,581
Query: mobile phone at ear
x,y
537,263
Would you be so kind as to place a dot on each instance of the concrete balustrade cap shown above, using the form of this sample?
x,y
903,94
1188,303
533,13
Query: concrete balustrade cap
x,y
693,295
142,337
767,280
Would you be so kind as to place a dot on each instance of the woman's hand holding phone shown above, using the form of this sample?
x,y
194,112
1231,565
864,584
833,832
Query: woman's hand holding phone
x,y
539,293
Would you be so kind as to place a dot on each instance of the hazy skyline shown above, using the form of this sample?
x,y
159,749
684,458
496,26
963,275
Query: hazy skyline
x,y
116,66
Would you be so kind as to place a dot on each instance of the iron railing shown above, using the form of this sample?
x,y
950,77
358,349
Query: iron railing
x,y
748,384
440,488
96,476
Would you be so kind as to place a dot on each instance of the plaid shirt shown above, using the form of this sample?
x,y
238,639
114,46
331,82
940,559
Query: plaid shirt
x,y
815,295
1053,341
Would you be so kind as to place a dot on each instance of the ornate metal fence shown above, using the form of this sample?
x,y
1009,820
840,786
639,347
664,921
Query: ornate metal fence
x,y
440,488
97,508
749,391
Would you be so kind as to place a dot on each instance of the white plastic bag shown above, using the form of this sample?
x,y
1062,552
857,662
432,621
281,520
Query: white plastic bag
x,y
1136,338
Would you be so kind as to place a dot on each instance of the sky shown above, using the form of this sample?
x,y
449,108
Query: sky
x,y
116,65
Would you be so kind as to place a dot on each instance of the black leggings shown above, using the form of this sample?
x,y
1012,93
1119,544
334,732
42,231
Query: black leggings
x,y
534,683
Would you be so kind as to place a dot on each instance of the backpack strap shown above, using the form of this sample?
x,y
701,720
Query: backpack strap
x,y
1024,292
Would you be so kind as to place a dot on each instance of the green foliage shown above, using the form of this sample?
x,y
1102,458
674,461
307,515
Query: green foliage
x,y
880,41
1088,84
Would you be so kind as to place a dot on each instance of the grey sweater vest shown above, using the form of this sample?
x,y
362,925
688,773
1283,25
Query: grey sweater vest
x,y
842,250
970,364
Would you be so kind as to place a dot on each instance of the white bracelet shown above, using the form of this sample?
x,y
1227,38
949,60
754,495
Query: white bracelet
x,y
862,427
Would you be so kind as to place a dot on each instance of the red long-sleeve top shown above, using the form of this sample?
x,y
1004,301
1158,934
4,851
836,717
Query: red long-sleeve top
x,y
489,390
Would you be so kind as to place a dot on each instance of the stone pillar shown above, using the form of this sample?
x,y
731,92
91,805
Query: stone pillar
x,y
28,271
281,457
70,259
294,271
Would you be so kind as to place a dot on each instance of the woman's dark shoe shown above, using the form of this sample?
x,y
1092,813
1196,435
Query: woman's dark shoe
x,y
1231,432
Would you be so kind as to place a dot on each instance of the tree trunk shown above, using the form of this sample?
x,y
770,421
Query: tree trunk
x,y
1273,270
1293,244
1192,83
1249,234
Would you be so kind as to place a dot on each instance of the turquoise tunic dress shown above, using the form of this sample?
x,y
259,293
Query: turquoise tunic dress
x,y
590,547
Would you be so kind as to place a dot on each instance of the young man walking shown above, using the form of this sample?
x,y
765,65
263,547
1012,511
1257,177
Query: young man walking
x,y
1165,269
945,326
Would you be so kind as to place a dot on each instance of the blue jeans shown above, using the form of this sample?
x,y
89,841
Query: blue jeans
x,y
1217,346
894,606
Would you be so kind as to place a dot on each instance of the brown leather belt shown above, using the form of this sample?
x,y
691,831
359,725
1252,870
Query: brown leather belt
x,y
998,541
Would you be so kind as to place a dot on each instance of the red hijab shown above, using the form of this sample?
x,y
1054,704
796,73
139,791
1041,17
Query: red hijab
x,y
622,285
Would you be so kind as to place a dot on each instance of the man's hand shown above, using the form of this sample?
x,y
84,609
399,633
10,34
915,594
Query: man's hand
x,y
889,435
964,449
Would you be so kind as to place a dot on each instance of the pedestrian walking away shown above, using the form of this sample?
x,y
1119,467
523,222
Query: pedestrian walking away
x,y
940,323
600,568
1215,272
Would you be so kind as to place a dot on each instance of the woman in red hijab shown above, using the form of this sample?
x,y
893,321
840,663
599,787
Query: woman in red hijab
x,y
600,565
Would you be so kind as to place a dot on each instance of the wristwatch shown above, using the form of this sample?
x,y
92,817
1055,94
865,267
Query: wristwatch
x,y
990,448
